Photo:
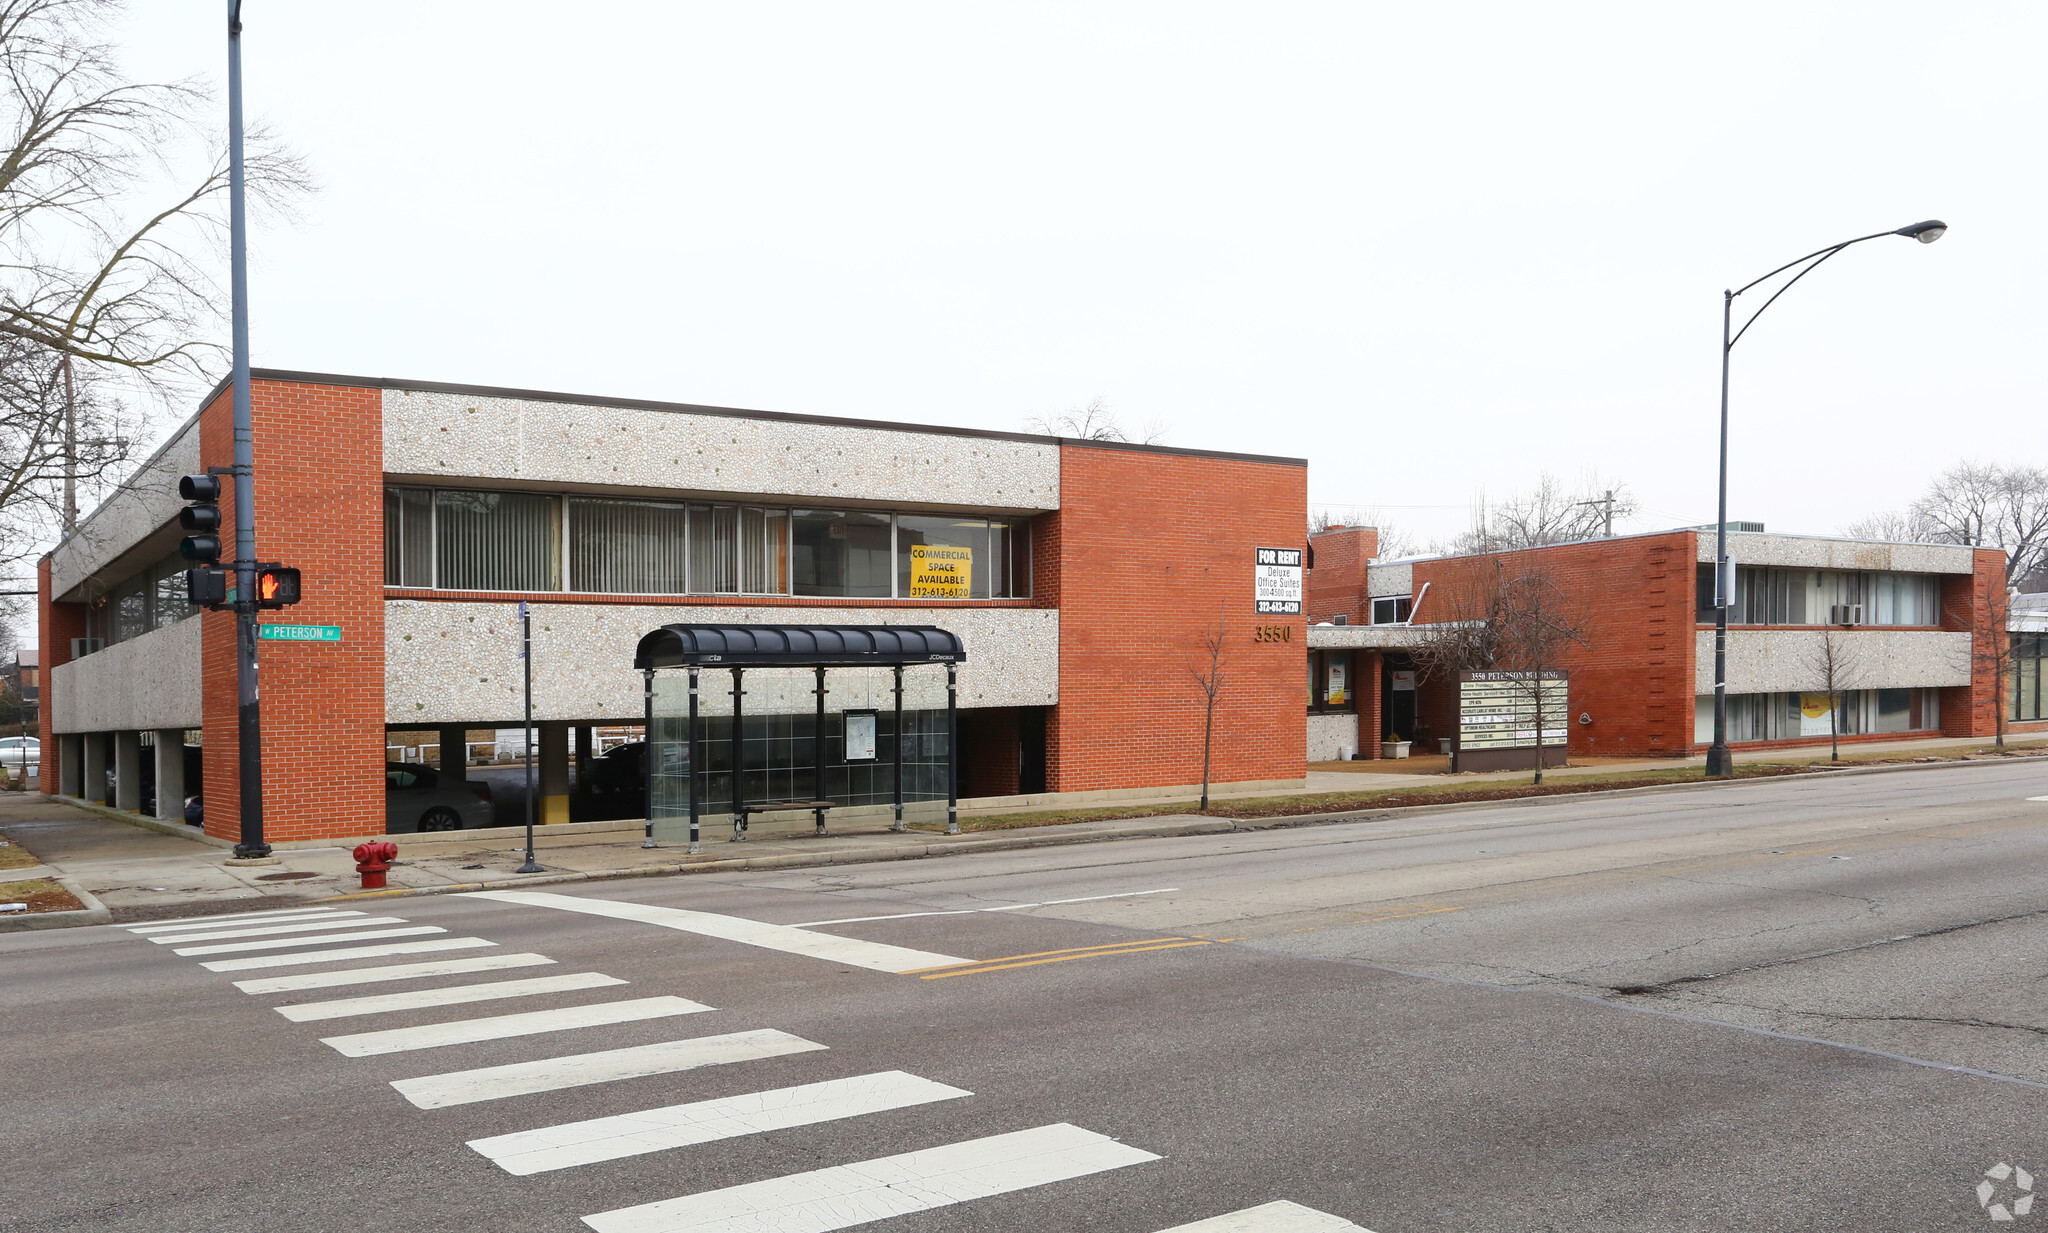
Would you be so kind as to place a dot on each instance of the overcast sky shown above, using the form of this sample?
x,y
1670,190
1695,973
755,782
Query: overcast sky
x,y
1432,248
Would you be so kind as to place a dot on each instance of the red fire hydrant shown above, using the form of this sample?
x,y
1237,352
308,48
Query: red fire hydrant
x,y
373,861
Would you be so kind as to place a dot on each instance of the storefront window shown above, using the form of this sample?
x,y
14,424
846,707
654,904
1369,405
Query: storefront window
x,y
1331,686
2030,676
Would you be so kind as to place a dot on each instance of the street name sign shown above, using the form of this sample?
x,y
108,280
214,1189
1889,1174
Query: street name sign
x,y
299,633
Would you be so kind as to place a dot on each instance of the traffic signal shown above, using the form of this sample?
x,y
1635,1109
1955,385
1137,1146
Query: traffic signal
x,y
206,588
277,586
201,519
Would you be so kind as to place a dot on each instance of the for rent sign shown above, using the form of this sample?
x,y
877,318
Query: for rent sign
x,y
940,572
1276,581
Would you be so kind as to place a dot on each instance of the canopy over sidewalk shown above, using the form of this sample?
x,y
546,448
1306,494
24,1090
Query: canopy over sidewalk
x,y
798,646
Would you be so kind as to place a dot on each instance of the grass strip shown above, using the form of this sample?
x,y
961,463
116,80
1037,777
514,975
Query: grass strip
x,y
41,895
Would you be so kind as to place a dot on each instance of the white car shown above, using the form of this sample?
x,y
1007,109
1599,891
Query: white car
x,y
20,755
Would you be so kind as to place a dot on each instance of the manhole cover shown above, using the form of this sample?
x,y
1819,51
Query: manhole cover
x,y
285,877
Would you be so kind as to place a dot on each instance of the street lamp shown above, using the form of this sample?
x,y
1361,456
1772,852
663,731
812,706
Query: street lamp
x,y
1720,763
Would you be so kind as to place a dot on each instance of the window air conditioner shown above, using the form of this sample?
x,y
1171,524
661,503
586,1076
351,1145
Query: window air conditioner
x,y
81,647
1845,614
1340,619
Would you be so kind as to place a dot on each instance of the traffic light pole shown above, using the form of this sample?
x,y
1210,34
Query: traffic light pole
x,y
248,710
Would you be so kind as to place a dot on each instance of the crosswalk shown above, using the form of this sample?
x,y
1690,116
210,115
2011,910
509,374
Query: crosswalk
x,y
813,1201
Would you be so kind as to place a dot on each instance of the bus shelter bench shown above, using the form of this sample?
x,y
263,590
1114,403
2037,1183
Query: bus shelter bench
x,y
739,819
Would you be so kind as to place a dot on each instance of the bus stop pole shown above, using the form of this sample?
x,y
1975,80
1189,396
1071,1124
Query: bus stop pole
x,y
647,756
739,759
952,754
696,806
818,750
898,825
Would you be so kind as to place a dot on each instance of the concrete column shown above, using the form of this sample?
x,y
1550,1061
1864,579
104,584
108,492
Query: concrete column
x,y
70,765
455,754
551,768
170,774
128,771
94,787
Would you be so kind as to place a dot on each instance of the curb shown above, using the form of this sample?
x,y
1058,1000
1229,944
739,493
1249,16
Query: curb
x,y
94,912
1202,826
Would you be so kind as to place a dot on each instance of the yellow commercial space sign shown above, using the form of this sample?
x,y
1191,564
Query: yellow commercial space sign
x,y
940,572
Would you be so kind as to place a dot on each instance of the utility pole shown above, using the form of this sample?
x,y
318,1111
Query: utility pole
x,y
1607,512
249,717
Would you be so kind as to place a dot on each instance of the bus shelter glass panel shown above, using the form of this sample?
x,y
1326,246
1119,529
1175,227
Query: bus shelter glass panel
x,y
668,751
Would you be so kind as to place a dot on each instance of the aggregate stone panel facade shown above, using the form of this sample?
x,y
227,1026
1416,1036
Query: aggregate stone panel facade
x,y
146,682
147,500
468,437
1382,581
1769,661
1332,737
453,661
1818,552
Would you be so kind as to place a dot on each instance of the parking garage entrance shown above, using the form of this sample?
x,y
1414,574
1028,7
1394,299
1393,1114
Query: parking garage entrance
x,y
752,721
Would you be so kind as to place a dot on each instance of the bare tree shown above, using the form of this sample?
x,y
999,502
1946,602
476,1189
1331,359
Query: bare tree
x,y
1994,654
1833,662
1205,666
1094,422
101,264
1514,617
1983,505
1394,540
1549,514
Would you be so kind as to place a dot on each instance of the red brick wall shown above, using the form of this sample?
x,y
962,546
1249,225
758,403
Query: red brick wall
x,y
1153,549
1975,603
320,506
1635,596
1336,586
56,626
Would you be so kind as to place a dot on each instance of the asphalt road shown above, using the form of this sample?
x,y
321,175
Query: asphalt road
x,y
1810,1005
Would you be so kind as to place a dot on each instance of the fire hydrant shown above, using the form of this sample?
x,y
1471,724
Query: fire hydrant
x,y
373,861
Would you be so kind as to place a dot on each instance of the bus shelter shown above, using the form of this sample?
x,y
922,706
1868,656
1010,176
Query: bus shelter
x,y
684,764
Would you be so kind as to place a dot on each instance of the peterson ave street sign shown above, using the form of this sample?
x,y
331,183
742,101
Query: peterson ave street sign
x,y
299,633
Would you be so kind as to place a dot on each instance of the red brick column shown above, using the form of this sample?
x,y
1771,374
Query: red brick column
x,y
1975,603
319,505
56,625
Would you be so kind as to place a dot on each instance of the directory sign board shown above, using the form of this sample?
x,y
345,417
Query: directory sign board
x,y
1497,710
1276,581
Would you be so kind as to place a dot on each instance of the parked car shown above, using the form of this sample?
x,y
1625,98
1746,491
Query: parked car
x,y
417,799
616,786
20,755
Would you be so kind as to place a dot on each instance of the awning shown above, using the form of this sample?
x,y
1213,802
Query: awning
x,y
798,646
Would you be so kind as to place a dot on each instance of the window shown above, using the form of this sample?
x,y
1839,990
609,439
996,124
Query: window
x,y
1768,595
1796,716
1331,686
496,541
840,552
408,537
169,604
2030,677
1391,611
939,556
627,547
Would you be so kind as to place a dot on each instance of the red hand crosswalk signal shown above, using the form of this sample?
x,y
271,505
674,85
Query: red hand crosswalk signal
x,y
277,586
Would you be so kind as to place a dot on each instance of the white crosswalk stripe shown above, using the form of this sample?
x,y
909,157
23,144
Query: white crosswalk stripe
x,y
258,931
504,1027
786,938
1280,1217
577,1070
186,922
215,922
226,948
389,972
252,962
843,1196
704,1121
447,995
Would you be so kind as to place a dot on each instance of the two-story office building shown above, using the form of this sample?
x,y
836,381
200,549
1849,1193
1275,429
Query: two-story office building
x,y
1912,624
1078,574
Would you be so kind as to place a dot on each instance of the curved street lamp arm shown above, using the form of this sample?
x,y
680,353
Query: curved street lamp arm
x,y
1815,258
1829,251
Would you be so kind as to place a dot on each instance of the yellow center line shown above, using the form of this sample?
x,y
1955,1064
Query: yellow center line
x,y
1036,953
1058,958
